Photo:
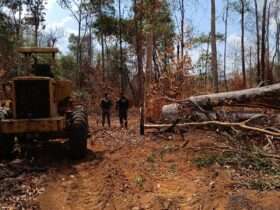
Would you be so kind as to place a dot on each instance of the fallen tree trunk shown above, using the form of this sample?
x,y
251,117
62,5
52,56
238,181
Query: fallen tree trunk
x,y
263,96
173,113
268,96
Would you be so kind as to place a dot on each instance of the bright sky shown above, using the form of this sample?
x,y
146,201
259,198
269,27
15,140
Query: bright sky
x,y
198,13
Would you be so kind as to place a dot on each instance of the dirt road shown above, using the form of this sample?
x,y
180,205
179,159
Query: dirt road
x,y
124,171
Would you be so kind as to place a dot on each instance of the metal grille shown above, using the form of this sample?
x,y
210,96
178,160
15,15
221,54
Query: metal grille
x,y
32,99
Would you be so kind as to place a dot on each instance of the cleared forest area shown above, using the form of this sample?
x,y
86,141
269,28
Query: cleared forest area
x,y
199,127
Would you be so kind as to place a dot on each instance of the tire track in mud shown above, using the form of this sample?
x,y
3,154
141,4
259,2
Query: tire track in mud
x,y
93,184
124,171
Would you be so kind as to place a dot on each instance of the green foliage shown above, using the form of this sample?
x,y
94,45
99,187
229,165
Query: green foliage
x,y
151,158
203,60
66,67
236,6
112,66
264,185
6,40
240,160
139,180
204,161
157,19
107,25
205,38
37,10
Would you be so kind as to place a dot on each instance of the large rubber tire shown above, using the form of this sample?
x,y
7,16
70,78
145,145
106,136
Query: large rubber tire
x,y
78,134
6,146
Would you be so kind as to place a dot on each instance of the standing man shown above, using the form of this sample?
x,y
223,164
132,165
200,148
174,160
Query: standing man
x,y
122,108
106,105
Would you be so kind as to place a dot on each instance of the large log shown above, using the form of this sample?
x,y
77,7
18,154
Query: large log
x,y
268,96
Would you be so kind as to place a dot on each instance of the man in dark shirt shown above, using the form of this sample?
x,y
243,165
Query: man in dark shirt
x,y
122,108
106,105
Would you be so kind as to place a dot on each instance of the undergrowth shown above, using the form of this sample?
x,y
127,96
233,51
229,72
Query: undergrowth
x,y
263,185
239,160
249,161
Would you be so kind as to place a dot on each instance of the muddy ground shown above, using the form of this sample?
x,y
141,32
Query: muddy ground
x,y
125,171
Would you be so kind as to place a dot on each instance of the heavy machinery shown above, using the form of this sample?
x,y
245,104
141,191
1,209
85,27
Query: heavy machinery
x,y
41,107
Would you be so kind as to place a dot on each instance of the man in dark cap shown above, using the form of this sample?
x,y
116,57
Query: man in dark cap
x,y
122,107
106,105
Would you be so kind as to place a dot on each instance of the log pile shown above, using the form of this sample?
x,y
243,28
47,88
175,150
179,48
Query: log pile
x,y
215,110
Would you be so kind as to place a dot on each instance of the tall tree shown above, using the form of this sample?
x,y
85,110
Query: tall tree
x,y
100,13
102,9
36,8
242,12
121,67
182,11
258,42
78,10
214,62
6,41
16,9
268,73
150,14
276,18
225,42
138,23
263,43
242,6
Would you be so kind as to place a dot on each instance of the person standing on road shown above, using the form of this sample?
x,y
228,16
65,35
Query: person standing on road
x,y
122,108
106,105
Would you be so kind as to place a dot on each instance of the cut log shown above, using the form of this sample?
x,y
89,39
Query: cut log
x,y
268,96
263,96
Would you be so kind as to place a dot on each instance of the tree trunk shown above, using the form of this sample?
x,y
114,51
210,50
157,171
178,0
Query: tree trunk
x,y
214,63
250,68
258,78
36,34
268,96
178,53
277,45
242,42
182,8
207,62
225,45
102,43
121,50
263,47
78,73
139,51
149,60
90,54
268,75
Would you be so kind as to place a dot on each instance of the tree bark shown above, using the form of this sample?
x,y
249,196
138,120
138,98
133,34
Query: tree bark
x,y
277,44
78,82
263,46
258,43
268,96
207,61
102,43
122,72
268,75
242,42
149,59
214,63
182,8
225,45
139,50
